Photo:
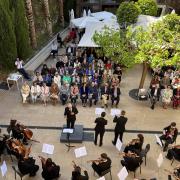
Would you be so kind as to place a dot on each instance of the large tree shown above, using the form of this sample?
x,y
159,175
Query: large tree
x,y
8,51
30,18
21,29
61,12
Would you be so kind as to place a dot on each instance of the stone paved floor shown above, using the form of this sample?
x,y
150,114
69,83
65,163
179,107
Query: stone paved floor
x,y
140,117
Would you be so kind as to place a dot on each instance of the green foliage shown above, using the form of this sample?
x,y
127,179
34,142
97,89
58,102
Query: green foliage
x,y
7,39
148,7
160,44
116,46
21,30
128,12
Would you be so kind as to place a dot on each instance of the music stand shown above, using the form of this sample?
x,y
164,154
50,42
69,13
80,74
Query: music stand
x,y
68,132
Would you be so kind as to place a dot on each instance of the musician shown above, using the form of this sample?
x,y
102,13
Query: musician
x,y
76,174
174,152
100,128
70,113
101,164
27,165
131,161
169,135
50,169
120,126
135,145
16,132
3,143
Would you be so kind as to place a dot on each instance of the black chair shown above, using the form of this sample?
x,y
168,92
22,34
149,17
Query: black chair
x,y
174,159
105,172
17,172
136,170
144,152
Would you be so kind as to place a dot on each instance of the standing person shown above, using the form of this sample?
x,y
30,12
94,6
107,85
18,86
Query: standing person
x,y
120,126
70,113
50,169
100,128
154,95
19,65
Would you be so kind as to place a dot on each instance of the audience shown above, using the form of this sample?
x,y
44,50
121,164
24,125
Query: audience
x,y
25,91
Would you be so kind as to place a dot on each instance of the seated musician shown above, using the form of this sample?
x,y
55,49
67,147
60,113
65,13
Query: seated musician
x,y
174,152
101,164
76,173
169,135
27,165
135,145
50,169
15,131
3,143
131,161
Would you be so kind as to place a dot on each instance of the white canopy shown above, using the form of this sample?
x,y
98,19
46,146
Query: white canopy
x,y
103,15
83,21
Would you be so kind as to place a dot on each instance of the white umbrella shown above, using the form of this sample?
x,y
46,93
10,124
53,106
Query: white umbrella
x,y
83,21
103,15
84,13
89,12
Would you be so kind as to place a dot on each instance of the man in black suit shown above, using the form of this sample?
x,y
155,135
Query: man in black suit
x,y
70,112
120,126
100,128
76,174
154,95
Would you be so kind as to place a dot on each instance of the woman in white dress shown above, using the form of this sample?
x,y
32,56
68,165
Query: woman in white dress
x,y
35,92
25,91
57,79
167,95
44,93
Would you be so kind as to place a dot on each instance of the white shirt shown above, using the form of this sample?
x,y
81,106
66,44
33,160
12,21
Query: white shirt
x,y
54,47
19,64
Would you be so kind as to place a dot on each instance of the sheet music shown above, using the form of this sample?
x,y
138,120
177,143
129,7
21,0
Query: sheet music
x,y
101,178
123,173
118,144
68,130
160,160
80,152
48,148
158,140
3,169
115,112
98,111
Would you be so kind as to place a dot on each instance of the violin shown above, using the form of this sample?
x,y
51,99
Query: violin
x,y
129,154
97,161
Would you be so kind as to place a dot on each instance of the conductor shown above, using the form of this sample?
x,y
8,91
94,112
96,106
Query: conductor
x,y
70,113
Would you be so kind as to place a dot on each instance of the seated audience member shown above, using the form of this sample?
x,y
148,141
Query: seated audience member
x,y
48,79
154,95
44,70
115,95
52,71
59,40
155,81
169,135
27,165
19,65
176,97
35,92
101,164
105,94
57,79
84,90
38,78
131,161
25,91
74,93
54,92
118,72
64,93
59,64
44,93
176,81
76,173
50,169
165,81
66,79
167,95
93,94
135,145
174,152
54,49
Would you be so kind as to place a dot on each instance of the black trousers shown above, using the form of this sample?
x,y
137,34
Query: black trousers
x,y
70,123
96,168
167,141
116,134
24,73
171,153
101,137
117,99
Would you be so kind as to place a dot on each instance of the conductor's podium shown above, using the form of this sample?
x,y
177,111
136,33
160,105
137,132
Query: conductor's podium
x,y
76,137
